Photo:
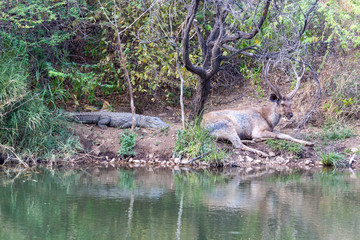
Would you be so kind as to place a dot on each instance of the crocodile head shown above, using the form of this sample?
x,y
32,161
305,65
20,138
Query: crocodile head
x,y
156,123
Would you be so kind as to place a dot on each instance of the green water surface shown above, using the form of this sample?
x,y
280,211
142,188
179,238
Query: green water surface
x,y
159,204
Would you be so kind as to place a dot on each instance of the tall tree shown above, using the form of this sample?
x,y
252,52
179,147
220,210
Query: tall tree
x,y
230,28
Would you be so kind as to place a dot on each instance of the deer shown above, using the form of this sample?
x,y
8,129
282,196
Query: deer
x,y
254,123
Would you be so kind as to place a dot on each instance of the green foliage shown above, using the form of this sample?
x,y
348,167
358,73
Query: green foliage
x,y
331,158
25,122
335,132
195,141
84,82
343,88
341,22
255,77
281,145
127,143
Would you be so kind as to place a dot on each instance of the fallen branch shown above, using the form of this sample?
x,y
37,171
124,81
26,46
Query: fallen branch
x,y
194,159
16,156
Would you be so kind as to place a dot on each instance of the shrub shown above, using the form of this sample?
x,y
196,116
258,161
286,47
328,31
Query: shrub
x,y
331,158
281,145
27,127
195,141
335,132
127,143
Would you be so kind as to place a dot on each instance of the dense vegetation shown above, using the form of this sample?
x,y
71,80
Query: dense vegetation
x,y
58,54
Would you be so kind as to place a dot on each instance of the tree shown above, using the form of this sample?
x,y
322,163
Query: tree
x,y
226,28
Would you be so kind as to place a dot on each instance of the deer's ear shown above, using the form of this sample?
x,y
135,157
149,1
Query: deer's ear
x,y
273,97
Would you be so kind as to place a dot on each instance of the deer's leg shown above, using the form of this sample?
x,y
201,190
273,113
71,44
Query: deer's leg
x,y
269,135
290,138
229,133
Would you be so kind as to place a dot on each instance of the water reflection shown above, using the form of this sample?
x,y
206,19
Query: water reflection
x,y
166,204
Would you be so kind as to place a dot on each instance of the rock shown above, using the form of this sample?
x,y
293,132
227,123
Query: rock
x,y
151,155
258,161
280,159
249,170
307,162
240,158
96,151
271,154
354,150
177,160
184,161
249,159
136,162
112,160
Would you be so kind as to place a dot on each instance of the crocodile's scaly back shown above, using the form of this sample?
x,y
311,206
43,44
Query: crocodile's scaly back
x,y
117,119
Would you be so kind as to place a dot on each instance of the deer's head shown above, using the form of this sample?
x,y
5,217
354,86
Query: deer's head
x,y
283,103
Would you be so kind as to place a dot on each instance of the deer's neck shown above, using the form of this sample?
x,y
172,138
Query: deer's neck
x,y
272,115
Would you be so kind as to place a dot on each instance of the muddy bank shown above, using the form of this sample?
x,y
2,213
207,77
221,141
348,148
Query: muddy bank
x,y
154,147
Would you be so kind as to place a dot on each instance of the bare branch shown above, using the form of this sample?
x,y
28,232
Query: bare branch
x,y
186,45
215,53
200,38
243,35
308,16
243,51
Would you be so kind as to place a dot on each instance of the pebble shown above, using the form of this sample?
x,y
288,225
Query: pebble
x,y
184,161
354,150
96,152
258,161
280,159
271,154
249,170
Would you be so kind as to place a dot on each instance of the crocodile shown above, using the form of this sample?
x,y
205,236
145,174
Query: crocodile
x,y
116,119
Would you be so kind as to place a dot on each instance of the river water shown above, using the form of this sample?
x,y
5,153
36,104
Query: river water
x,y
115,203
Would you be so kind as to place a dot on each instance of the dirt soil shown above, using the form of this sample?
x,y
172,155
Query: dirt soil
x,y
156,146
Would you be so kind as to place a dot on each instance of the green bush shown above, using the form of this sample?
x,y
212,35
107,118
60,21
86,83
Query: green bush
x,y
331,159
334,132
26,124
195,141
127,143
281,145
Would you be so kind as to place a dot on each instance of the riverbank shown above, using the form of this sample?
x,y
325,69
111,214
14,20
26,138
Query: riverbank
x,y
154,147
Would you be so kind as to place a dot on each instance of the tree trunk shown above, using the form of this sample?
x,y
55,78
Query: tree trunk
x,y
202,93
